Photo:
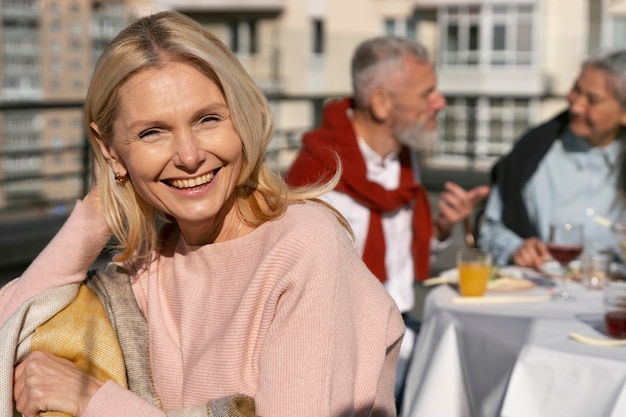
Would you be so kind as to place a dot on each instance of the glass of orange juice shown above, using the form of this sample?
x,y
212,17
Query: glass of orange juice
x,y
474,268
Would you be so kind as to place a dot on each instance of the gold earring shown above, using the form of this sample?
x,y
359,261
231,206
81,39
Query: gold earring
x,y
119,178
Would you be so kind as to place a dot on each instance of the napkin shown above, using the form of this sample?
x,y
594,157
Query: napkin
x,y
597,341
501,299
438,280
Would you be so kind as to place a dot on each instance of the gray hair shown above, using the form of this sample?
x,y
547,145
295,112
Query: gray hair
x,y
614,64
375,58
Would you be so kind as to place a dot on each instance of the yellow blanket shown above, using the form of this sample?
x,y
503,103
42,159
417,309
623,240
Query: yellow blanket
x,y
82,333
98,326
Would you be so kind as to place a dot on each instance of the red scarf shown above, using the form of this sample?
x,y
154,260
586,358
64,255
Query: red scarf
x,y
317,160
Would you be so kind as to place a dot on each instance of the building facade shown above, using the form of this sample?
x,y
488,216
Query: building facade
x,y
503,65
48,51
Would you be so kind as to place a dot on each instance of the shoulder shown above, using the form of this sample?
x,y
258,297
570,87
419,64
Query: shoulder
x,y
330,257
310,212
311,236
530,148
306,228
311,222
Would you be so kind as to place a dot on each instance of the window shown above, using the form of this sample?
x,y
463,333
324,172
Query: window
x,y
55,85
75,65
55,67
21,141
76,28
76,45
19,165
619,32
78,86
10,82
512,35
243,37
484,126
318,36
24,82
106,27
234,36
253,44
55,47
19,120
14,44
54,7
411,29
108,7
20,64
489,35
19,4
401,27
390,27
57,143
461,35
58,161
55,26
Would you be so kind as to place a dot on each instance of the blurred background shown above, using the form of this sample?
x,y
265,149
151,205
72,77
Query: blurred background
x,y
503,66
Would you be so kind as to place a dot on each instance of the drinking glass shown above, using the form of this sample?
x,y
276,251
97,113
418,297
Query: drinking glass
x,y
474,268
615,308
594,268
565,243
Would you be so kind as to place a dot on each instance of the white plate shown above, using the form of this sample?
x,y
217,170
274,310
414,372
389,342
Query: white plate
x,y
509,271
509,278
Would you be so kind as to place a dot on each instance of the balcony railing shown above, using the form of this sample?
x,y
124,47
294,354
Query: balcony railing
x,y
26,183
25,176
35,202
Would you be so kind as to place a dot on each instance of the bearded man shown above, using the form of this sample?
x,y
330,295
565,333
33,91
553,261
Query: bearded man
x,y
375,135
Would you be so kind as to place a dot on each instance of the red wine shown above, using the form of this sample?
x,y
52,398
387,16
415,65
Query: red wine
x,y
616,324
564,254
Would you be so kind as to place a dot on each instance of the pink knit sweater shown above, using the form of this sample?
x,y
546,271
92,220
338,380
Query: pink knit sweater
x,y
287,314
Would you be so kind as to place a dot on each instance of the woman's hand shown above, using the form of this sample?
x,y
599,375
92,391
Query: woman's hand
x,y
532,253
44,382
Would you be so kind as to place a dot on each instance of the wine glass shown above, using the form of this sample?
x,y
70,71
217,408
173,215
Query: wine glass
x,y
565,243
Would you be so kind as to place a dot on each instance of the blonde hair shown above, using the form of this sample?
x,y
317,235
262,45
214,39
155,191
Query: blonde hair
x,y
148,43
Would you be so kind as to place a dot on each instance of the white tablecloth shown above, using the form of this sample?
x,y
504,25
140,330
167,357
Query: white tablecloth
x,y
513,359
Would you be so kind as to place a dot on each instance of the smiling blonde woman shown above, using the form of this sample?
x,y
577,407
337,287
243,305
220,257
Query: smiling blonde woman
x,y
246,286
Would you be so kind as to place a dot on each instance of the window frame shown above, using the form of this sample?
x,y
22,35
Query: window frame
x,y
468,51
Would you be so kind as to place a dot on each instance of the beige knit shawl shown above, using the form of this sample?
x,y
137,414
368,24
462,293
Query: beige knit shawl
x,y
108,347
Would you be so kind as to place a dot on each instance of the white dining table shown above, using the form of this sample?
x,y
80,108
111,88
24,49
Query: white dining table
x,y
514,359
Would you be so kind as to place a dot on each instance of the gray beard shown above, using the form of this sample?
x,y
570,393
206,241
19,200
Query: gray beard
x,y
417,137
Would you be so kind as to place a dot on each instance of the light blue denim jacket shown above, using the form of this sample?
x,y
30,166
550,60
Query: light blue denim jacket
x,y
574,181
